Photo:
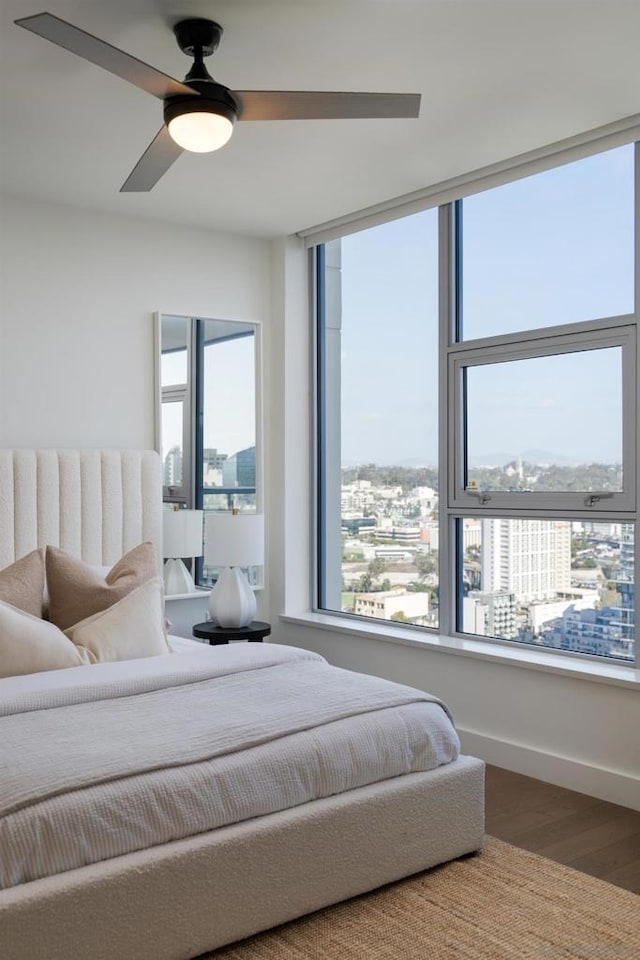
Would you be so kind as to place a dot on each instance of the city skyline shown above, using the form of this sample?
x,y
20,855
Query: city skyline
x,y
560,584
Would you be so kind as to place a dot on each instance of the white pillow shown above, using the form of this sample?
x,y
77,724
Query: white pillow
x,y
29,645
131,628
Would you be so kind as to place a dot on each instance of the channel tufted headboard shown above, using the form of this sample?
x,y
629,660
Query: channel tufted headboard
x,y
96,504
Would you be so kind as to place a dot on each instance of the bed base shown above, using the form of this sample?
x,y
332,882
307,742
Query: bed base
x,y
182,899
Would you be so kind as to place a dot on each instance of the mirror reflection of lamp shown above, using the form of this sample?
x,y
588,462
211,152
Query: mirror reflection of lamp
x,y
233,540
181,537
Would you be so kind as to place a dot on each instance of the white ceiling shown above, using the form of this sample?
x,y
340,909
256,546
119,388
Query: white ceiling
x,y
497,78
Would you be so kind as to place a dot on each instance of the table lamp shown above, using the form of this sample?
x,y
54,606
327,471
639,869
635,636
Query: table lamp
x,y
233,540
181,537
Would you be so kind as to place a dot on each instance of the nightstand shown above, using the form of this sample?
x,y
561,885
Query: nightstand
x,y
213,634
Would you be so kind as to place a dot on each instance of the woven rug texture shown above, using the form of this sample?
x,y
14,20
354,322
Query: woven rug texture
x,y
502,904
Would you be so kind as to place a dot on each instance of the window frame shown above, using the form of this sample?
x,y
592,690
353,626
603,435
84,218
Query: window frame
x,y
454,503
590,336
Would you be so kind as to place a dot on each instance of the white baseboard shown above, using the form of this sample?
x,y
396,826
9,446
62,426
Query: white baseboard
x,y
599,782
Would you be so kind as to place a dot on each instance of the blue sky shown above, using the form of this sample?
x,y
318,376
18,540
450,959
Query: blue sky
x,y
554,248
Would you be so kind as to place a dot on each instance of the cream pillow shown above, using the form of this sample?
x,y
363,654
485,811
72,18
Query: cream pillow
x,y
76,591
22,583
131,628
29,645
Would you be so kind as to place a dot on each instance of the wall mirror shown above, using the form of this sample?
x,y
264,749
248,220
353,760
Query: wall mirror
x,y
208,417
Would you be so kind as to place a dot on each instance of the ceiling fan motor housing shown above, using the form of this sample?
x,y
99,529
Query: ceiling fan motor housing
x,y
197,36
214,98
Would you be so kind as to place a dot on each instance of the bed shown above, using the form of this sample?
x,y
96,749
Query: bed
x,y
262,783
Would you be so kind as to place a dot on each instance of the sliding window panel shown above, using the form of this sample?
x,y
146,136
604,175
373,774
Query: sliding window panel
x,y
378,422
549,423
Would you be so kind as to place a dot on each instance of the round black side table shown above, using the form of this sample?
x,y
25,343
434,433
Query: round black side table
x,y
213,634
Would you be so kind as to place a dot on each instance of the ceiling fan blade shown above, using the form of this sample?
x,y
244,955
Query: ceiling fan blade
x,y
316,105
154,162
104,55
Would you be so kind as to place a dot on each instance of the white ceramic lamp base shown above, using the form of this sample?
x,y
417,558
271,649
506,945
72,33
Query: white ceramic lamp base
x,y
177,578
232,602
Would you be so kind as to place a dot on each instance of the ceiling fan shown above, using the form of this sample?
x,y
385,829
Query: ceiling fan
x,y
199,113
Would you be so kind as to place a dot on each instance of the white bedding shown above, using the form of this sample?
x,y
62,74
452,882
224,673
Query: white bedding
x,y
224,763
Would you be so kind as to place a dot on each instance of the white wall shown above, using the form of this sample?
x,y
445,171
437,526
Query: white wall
x,y
77,294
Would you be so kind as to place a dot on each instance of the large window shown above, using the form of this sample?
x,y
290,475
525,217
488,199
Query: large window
x,y
477,414
379,475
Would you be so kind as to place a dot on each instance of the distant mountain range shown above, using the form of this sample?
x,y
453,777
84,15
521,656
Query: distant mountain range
x,y
540,457
415,462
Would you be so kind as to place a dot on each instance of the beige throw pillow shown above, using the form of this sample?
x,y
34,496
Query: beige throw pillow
x,y
131,628
22,583
77,592
28,645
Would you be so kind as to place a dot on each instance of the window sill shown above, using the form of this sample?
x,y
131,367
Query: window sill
x,y
199,593
546,661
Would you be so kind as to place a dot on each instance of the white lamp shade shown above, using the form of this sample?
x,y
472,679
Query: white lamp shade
x,y
234,540
182,533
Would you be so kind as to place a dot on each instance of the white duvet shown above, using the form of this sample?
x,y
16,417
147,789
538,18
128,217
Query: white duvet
x,y
102,760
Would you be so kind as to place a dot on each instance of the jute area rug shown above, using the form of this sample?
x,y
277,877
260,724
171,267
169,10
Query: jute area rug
x,y
503,904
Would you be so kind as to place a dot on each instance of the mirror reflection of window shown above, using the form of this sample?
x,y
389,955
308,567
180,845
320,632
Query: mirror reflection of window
x,y
228,417
207,420
174,378
173,442
174,356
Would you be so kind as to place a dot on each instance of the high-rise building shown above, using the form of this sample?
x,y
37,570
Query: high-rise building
x,y
173,467
240,469
598,632
212,467
212,460
626,581
529,558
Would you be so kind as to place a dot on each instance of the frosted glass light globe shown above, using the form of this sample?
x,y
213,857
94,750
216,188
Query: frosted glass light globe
x,y
200,132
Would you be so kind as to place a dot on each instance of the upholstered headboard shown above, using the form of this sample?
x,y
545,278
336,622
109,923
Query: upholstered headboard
x,y
96,504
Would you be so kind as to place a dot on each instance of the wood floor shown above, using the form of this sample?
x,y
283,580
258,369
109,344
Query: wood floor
x,y
591,835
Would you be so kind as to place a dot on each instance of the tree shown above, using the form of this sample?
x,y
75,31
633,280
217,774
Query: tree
x,y
425,564
365,583
376,567
399,616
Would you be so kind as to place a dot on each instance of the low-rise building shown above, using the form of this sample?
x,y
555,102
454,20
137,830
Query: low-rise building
x,y
490,614
540,612
385,603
